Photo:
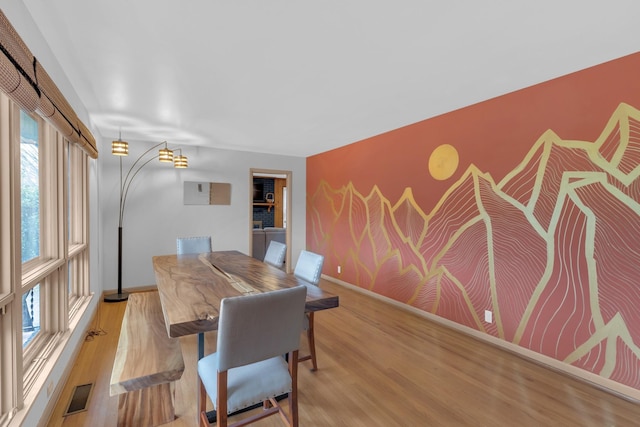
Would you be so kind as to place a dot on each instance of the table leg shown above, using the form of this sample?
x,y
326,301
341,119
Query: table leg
x,y
200,345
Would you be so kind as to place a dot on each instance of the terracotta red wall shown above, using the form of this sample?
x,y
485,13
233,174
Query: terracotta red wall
x,y
538,223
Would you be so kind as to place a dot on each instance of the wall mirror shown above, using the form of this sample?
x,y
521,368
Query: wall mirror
x,y
207,193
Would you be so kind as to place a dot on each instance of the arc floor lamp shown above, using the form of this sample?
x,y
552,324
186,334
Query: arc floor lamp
x,y
121,148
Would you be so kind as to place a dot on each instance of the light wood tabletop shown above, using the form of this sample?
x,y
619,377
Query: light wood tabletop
x,y
192,286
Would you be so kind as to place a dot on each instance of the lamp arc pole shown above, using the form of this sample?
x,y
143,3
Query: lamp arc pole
x,y
165,155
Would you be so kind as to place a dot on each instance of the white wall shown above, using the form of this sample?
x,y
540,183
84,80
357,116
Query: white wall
x,y
155,213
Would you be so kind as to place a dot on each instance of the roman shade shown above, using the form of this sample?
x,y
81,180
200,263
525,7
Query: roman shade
x,y
24,79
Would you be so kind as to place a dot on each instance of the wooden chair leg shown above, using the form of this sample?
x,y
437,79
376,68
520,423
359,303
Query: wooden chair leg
x,y
293,396
221,407
202,403
204,422
312,343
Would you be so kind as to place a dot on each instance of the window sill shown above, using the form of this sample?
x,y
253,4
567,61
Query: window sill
x,y
40,270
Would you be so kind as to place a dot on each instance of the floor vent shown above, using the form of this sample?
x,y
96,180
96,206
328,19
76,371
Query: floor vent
x,y
79,399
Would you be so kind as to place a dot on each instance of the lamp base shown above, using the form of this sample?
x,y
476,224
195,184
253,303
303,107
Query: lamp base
x,y
122,296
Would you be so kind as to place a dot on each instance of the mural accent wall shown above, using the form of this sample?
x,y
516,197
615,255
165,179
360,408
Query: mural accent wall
x,y
552,248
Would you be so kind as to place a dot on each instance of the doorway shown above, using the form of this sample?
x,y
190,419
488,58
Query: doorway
x,y
270,206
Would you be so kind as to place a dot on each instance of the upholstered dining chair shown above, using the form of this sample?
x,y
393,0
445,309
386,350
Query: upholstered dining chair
x,y
309,268
275,254
248,367
193,245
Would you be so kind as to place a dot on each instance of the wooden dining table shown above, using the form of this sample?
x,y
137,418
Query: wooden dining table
x,y
192,286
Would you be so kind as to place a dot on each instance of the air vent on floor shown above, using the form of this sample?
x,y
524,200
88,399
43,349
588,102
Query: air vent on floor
x,y
79,399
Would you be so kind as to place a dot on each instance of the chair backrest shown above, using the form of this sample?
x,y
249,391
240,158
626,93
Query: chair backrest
x,y
259,326
275,254
309,267
193,245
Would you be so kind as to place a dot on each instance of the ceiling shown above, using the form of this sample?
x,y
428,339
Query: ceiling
x,y
301,77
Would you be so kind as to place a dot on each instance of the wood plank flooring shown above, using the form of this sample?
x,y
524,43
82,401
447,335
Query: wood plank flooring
x,y
380,366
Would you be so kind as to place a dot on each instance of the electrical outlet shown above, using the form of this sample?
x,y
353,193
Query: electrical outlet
x,y
488,316
339,269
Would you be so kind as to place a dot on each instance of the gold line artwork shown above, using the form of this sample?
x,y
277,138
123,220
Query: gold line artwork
x,y
553,249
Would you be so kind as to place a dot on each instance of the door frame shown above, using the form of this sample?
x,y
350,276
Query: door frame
x,y
272,173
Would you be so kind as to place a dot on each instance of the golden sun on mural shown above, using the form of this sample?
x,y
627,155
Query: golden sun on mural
x,y
443,162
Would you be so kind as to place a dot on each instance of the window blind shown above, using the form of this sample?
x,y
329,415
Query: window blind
x,y
24,79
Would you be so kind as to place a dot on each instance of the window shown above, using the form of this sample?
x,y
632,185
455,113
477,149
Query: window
x,y
44,259
77,220
29,221
29,187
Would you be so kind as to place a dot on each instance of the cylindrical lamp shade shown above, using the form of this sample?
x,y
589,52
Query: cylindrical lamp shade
x,y
166,155
180,162
120,148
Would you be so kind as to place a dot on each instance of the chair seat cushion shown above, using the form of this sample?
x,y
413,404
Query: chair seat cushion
x,y
268,378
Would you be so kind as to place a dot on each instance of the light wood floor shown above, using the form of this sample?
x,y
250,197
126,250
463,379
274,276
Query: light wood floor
x,y
380,366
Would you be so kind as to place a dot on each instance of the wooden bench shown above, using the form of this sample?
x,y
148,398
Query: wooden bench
x,y
146,365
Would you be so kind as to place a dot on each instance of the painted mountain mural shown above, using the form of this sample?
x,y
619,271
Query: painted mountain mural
x,y
553,249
